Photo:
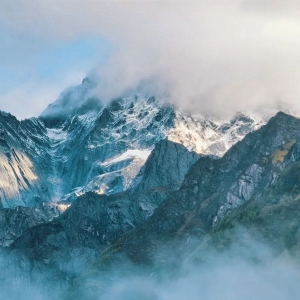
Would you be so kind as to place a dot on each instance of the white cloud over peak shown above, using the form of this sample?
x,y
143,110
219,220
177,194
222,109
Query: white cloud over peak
x,y
213,56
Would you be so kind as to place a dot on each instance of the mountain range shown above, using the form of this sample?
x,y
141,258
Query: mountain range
x,y
90,187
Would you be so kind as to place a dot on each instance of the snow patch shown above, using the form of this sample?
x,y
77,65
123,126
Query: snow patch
x,y
132,153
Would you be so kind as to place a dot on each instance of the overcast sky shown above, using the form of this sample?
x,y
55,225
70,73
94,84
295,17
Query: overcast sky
x,y
210,55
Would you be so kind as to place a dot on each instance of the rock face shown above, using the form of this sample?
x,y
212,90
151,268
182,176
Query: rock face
x,y
79,145
15,221
274,215
255,184
213,188
165,168
93,221
24,162
176,193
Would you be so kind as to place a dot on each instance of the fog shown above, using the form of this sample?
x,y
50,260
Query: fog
x,y
207,55
224,279
247,269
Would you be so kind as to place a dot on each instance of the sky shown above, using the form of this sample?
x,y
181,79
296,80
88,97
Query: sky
x,y
210,56
35,70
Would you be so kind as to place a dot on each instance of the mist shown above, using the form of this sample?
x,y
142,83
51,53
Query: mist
x,y
208,56
227,280
247,270
250,268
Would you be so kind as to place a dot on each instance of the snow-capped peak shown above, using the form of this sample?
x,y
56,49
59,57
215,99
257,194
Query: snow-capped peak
x,y
85,145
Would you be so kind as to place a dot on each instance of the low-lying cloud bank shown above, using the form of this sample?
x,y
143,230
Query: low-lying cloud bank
x,y
248,269
210,56
227,280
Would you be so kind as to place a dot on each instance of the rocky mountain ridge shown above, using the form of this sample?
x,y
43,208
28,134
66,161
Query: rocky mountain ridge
x,y
255,184
89,146
177,195
102,187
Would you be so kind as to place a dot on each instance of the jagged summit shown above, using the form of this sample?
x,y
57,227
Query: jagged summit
x,y
4,113
282,118
76,100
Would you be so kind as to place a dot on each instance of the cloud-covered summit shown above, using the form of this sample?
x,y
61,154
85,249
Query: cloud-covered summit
x,y
208,55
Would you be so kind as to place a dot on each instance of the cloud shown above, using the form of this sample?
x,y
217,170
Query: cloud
x,y
209,55
247,269
273,7
34,71
222,280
